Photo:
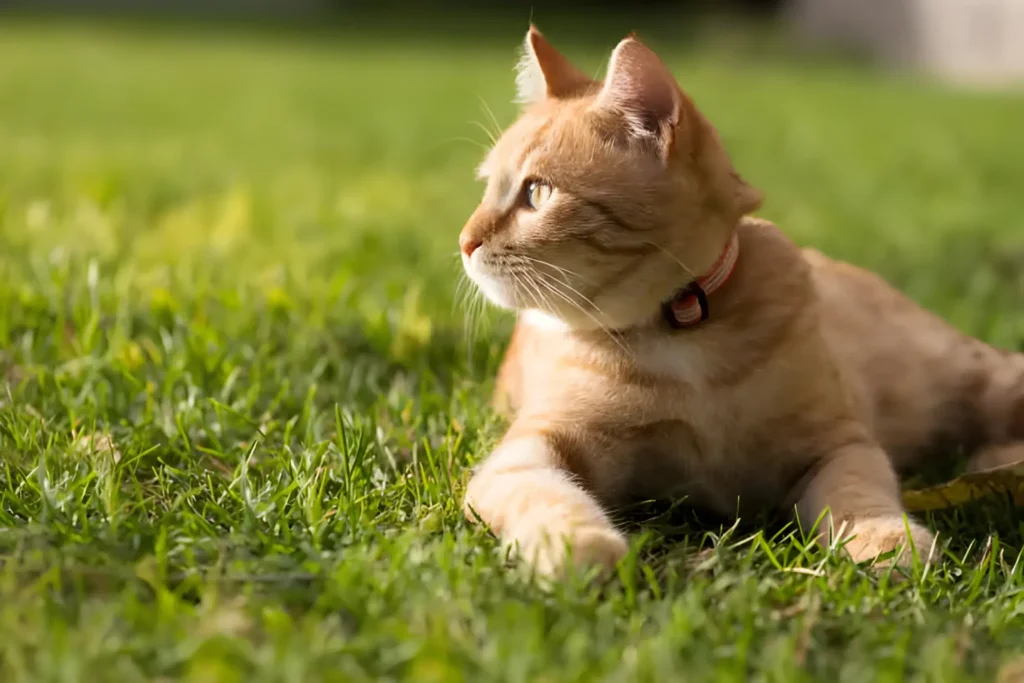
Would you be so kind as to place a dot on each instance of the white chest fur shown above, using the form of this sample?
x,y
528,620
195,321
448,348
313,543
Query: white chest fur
x,y
542,321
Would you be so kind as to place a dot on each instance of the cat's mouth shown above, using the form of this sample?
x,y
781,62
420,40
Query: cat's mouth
x,y
496,281
523,283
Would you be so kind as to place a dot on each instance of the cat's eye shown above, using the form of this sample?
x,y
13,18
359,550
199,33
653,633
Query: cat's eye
x,y
536,193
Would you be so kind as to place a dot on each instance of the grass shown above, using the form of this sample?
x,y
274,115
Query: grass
x,y
239,403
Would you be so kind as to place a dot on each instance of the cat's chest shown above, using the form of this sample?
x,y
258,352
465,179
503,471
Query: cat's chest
x,y
675,360
683,386
665,381
699,437
663,431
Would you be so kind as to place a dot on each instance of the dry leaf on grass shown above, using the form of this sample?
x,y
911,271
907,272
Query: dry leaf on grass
x,y
97,443
1008,479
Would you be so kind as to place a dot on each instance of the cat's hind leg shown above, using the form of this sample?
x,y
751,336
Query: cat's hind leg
x,y
855,492
996,455
999,409
538,508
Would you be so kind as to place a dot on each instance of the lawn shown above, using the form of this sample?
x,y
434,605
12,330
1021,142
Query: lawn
x,y
241,389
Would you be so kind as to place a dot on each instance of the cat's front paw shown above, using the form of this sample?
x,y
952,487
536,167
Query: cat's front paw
x,y
876,536
550,552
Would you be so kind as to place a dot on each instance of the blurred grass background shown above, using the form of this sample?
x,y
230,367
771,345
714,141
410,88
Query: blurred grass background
x,y
232,248
315,132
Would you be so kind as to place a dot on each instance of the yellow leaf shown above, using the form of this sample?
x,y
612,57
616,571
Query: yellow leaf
x,y
1008,479
97,443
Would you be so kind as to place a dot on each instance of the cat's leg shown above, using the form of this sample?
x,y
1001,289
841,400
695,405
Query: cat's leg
x,y
858,487
999,408
537,507
996,455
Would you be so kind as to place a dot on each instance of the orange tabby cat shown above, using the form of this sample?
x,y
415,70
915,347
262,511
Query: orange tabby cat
x,y
669,345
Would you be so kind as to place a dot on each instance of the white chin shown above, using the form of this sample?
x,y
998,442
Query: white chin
x,y
497,292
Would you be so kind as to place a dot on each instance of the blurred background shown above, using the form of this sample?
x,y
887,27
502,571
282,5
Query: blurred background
x,y
320,153
964,39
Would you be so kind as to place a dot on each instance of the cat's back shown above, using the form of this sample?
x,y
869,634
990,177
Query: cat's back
x,y
868,320
908,365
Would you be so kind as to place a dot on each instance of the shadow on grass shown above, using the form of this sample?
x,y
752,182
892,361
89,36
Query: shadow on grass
x,y
966,531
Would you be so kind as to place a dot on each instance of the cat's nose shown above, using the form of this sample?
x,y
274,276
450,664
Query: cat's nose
x,y
469,245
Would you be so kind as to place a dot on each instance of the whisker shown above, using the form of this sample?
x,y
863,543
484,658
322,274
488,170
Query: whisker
x,y
469,299
487,132
565,272
539,286
474,321
479,308
532,290
462,290
601,326
572,289
464,139
686,269
494,119
464,301
615,338
561,281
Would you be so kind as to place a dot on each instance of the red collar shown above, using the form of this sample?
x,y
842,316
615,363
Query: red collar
x,y
690,304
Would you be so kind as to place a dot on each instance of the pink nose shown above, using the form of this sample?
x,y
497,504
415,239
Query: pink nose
x,y
469,245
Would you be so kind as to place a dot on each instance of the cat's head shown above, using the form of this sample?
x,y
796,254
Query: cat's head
x,y
603,197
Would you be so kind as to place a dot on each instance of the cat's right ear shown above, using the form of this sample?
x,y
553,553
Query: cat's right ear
x,y
543,72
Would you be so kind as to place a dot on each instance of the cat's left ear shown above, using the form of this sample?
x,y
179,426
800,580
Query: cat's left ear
x,y
643,93
641,89
544,72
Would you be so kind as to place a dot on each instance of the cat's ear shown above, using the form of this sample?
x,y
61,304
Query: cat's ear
x,y
543,72
641,89
643,93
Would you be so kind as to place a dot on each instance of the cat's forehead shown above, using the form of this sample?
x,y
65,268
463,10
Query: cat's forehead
x,y
539,135
514,145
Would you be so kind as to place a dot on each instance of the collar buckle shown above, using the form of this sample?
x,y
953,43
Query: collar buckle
x,y
689,306
681,300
